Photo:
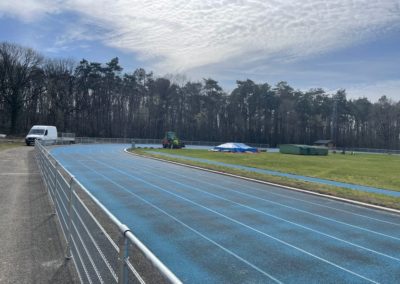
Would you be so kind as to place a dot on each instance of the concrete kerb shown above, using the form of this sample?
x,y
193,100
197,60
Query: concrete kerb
x,y
354,202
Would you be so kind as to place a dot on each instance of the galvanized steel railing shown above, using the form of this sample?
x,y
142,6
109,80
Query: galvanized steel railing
x,y
114,255
91,140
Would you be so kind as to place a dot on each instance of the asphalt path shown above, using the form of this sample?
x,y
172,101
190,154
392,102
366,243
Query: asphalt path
x,y
209,228
31,244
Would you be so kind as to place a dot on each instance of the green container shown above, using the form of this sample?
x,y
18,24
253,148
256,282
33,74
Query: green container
x,y
303,150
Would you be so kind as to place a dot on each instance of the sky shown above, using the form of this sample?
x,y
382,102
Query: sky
x,y
329,44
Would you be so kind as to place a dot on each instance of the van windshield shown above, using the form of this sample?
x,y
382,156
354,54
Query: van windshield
x,y
36,131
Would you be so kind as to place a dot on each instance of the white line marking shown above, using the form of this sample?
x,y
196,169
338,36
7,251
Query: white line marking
x,y
329,207
240,223
216,212
320,216
270,215
294,198
187,226
366,205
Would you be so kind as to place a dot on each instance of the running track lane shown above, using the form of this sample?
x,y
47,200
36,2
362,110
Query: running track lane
x,y
209,228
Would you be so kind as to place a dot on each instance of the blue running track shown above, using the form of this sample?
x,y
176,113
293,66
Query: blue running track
x,y
209,228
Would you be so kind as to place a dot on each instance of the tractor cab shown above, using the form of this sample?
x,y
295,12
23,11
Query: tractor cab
x,y
171,141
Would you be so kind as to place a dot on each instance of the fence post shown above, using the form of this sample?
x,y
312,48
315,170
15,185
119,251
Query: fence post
x,y
53,191
123,258
56,166
69,237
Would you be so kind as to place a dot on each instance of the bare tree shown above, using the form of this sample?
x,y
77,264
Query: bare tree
x,y
95,99
19,69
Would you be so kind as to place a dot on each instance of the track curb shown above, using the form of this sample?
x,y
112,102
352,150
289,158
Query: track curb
x,y
354,202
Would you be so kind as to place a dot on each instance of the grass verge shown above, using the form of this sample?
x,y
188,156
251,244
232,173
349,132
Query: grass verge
x,y
8,145
371,198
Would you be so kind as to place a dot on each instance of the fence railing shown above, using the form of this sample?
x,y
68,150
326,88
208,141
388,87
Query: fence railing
x,y
98,140
90,140
368,150
103,249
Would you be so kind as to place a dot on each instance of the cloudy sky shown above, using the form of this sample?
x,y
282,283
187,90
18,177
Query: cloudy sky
x,y
350,44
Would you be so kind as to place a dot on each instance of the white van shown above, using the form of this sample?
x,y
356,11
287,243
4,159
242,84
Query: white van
x,y
41,132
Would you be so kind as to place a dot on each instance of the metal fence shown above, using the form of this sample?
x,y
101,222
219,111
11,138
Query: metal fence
x,y
103,249
97,140
368,150
91,140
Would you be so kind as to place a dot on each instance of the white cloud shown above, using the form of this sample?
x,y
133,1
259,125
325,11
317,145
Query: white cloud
x,y
181,35
186,34
29,10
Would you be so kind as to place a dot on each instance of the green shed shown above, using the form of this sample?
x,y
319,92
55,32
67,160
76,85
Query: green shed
x,y
303,150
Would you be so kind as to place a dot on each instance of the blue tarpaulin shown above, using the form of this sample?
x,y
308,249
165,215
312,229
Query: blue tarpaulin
x,y
235,148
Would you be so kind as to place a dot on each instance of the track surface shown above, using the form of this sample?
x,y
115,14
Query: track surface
x,y
209,228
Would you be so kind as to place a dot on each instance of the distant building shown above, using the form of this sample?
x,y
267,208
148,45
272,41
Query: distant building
x,y
325,143
302,150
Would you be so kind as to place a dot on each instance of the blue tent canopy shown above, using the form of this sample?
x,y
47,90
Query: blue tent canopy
x,y
235,148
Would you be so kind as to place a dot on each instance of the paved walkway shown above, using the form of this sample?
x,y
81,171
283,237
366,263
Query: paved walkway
x,y
31,244
291,176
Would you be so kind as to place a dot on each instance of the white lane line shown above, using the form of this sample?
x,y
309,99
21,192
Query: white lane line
x,y
242,224
187,226
353,202
270,215
266,200
329,207
286,196
333,208
316,215
299,199
319,216
283,219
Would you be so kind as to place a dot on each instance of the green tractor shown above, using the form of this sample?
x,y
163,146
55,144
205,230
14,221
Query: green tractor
x,y
171,141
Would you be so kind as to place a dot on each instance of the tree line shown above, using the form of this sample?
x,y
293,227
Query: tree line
x,y
98,100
